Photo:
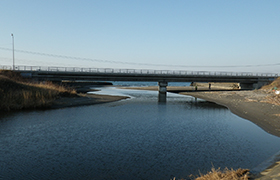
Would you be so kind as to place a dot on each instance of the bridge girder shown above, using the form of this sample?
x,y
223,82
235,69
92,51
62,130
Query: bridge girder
x,y
245,81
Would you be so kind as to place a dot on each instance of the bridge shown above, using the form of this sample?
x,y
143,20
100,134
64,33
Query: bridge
x,y
245,79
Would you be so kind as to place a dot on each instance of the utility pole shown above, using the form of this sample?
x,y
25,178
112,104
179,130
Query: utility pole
x,y
13,51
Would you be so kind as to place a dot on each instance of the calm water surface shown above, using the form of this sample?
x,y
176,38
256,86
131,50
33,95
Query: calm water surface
x,y
137,138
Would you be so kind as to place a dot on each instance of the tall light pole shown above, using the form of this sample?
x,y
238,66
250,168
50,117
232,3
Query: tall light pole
x,y
13,51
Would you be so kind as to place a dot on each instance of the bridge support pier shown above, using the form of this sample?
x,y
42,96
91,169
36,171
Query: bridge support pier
x,y
162,90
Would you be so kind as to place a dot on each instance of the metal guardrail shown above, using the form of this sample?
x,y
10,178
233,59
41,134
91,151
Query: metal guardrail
x,y
137,71
6,68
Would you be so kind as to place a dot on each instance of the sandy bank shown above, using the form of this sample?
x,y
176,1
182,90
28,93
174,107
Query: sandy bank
x,y
256,106
251,105
84,99
259,106
179,88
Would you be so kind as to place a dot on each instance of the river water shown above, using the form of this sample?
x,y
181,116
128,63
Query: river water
x,y
138,138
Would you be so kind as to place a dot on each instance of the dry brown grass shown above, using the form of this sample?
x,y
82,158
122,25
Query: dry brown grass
x,y
226,174
275,83
272,98
17,93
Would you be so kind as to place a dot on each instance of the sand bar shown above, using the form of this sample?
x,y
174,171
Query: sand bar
x,y
84,99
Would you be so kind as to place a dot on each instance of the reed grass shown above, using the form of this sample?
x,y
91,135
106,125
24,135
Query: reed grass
x,y
226,174
17,93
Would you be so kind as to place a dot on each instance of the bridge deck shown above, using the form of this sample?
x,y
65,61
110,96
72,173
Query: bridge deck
x,y
107,74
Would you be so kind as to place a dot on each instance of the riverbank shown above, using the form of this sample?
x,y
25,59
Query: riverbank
x,y
17,93
261,107
256,106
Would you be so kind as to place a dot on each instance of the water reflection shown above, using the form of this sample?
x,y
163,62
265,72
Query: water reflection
x,y
204,104
162,97
137,138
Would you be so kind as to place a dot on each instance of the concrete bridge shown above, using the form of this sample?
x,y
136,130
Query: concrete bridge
x,y
245,79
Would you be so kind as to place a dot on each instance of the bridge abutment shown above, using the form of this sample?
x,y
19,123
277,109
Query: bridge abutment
x,y
246,86
250,86
260,84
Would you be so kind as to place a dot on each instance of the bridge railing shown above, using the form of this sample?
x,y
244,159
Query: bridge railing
x,y
6,68
137,71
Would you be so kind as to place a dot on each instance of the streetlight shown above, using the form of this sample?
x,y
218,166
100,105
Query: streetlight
x,y
13,51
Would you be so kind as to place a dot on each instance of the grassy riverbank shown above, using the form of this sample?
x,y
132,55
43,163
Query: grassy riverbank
x,y
17,93
226,174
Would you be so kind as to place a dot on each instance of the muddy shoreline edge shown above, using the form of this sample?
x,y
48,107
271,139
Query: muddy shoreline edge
x,y
84,100
263,114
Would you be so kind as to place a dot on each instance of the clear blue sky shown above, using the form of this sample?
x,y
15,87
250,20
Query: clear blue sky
x,y
148,34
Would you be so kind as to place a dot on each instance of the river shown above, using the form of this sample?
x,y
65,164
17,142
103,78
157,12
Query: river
x,y
138,138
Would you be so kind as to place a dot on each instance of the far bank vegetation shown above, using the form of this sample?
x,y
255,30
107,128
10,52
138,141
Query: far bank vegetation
x,y
18,93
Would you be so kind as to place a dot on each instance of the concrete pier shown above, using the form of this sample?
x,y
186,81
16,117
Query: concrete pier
x,y
162,90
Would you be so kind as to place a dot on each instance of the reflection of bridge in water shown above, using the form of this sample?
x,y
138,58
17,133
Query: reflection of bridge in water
x,y
246,80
